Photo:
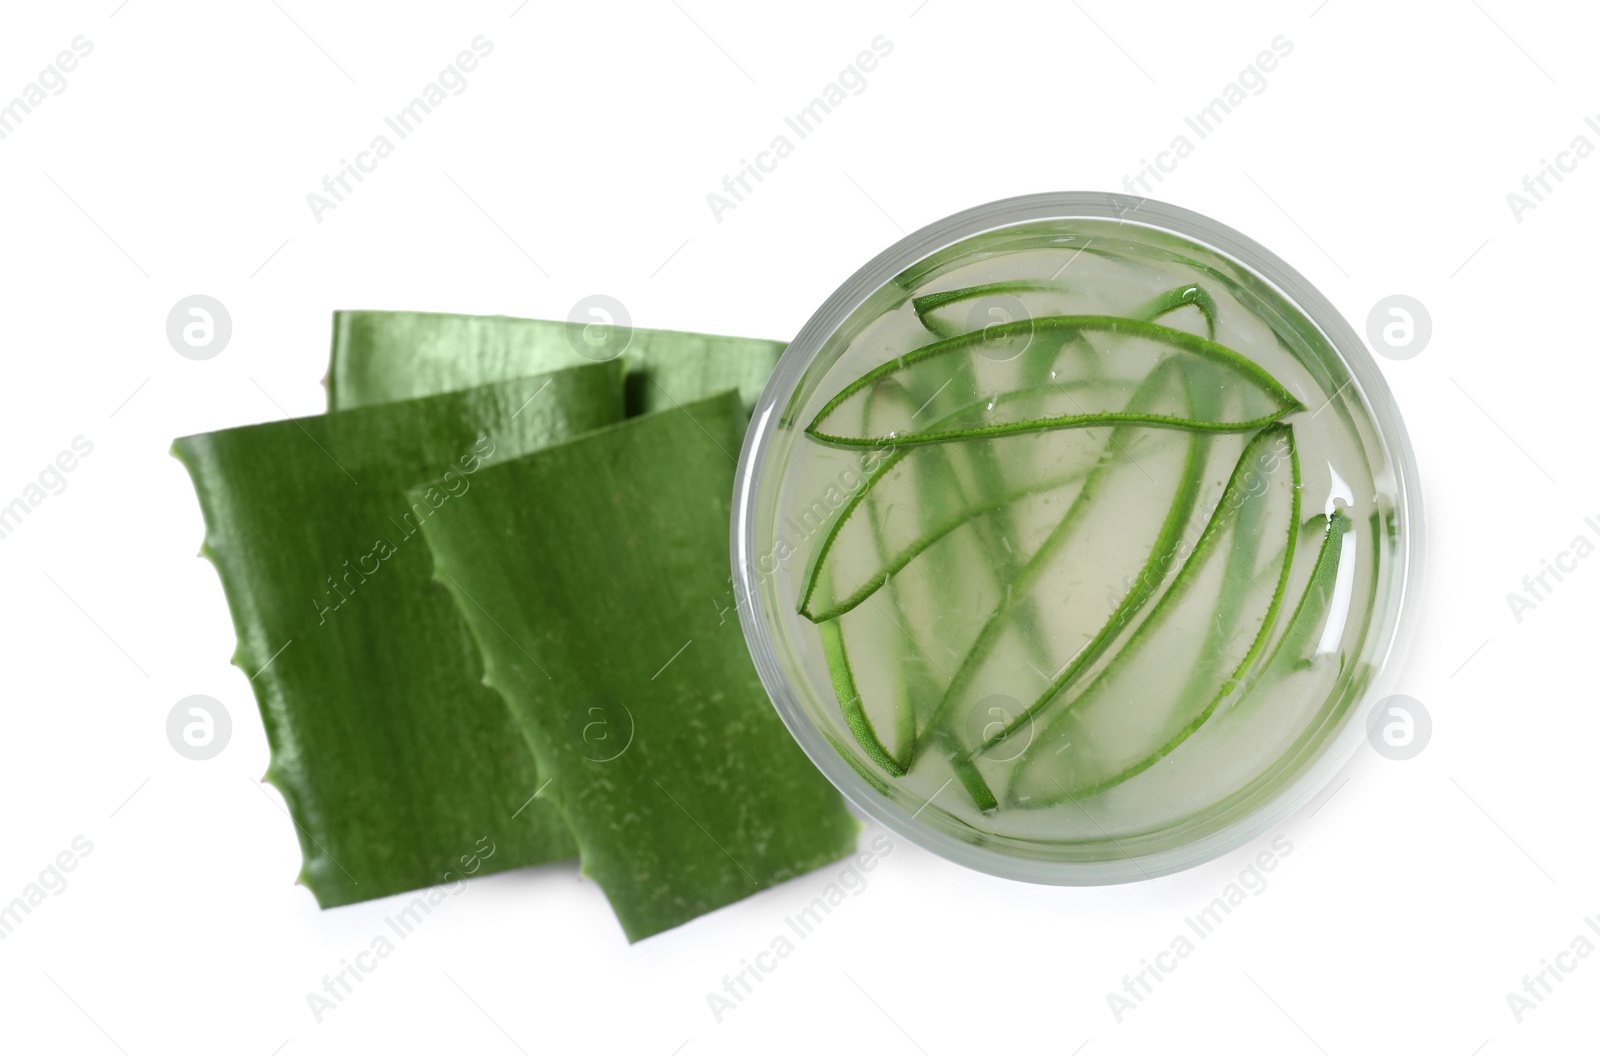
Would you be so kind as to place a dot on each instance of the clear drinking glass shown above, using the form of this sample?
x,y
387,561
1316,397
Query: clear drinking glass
x,y
1073,538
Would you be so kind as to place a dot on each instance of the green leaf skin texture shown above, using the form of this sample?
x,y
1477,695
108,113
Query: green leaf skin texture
x,y
393,757
590,574
383,356
1120,726
1040,407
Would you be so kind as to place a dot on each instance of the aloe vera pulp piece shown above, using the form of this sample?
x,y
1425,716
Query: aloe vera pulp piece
x,y
1291,651
826,592
908,488
587,573
853,706
1190,654
911,632
883,629
1042,356
1182,297
392,756
928,305
1031,408
1038,395
1326,547
381,356
1011,244
1257,726
820,598
1137,544
950,313
909,503
928,512
984,474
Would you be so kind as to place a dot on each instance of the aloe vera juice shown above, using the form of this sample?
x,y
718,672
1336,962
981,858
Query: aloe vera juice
x,y
1089,528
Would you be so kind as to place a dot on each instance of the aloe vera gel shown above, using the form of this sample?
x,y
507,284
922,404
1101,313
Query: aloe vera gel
x,y
1072,546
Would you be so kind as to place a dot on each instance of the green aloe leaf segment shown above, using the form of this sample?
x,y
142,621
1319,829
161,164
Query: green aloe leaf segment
x,y
454,641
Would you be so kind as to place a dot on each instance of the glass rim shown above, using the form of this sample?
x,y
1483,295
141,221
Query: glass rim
x,y
1334,752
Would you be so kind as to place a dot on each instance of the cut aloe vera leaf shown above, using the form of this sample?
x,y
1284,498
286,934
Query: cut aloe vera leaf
x,y
1140,346
984,475
392,756
821,597
584,572
1036,371
928,302
896,697
1253,731
949,313
882,630
1112,543
1012,249
1126,599
926,620
383,356
1297,334
854,708
841,581
1296,648
865,550
1181,297
1189,655
1327,543
843,572
1038,299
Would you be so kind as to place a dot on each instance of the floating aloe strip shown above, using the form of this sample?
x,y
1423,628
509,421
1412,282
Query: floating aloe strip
x,y
908,552
930,301
383,356
1037,372
1119,725
1016,240
1326,545
1158,306
1275,401
1289,653
710,799
851,704
1294,332
393,758
929,306
849,530
996,532
936,481
1030,379
1117,468
1091,502
1181,297
931,478
998,499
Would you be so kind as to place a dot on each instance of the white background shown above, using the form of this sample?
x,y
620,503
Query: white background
x,y
1377,160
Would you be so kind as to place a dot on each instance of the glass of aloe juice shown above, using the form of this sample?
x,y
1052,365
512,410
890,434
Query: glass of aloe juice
x,y
1073,537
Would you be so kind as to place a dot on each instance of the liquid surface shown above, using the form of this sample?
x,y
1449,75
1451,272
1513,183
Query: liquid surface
x,y
1079,537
